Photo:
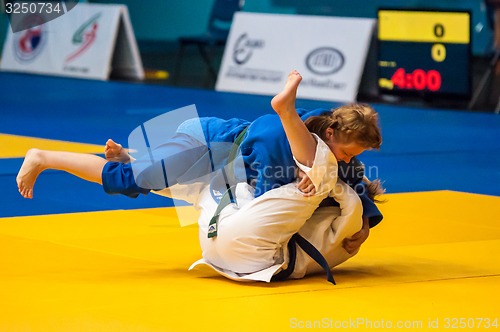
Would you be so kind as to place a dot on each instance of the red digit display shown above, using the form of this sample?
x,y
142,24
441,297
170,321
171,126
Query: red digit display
x,y
433,80
418,80
399,78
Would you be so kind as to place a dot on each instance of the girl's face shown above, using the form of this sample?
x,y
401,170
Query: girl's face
x,y
342,151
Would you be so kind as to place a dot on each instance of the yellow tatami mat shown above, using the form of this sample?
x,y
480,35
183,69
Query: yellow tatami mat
x,y
432,264
14,146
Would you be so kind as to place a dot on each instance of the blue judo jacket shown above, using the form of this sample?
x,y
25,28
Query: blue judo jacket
x,y
268,159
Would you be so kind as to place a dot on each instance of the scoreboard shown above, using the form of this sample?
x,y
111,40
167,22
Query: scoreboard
x,y
424,52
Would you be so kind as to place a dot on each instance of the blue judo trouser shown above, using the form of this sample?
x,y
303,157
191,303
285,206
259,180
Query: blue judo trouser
x,y
182,157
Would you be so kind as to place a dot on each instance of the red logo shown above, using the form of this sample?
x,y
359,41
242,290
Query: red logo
x,y
85,36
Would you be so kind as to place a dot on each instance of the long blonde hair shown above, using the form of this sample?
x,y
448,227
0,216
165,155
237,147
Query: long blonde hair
x,y
356,123
374,189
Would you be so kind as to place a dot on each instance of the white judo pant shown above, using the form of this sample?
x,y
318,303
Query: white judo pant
x,y
253,234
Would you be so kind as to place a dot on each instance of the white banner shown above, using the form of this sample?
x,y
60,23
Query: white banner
x,y
329,52
90,41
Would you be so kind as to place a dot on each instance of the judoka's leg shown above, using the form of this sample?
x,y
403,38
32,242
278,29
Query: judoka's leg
x,y
85,166
180,157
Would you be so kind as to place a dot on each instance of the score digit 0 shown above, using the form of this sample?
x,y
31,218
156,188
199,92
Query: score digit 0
x,y
438,51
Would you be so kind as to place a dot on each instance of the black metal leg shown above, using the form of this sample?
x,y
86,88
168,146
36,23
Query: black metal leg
x,y
208,60
484,79
178,63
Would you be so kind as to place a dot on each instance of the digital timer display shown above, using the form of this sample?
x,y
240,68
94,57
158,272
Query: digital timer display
x,y
419,80
424,52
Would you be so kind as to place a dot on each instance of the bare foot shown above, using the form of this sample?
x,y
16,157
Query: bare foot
x,y
285,100
32,166
115,152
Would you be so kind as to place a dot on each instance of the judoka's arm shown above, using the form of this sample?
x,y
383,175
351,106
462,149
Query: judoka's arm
x,y
302,143
350,220
354,242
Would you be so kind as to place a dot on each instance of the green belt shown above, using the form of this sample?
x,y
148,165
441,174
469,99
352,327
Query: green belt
x,y
227,198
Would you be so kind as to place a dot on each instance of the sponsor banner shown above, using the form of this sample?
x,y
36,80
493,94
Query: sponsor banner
x,y
90,41
329,52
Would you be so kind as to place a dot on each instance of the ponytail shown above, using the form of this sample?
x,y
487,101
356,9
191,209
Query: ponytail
x,y
373,189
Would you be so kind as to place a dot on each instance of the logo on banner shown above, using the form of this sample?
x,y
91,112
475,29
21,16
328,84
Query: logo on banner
x,y
325,61
84,37
244,47
28,44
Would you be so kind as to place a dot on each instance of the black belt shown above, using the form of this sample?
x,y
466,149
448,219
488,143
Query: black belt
x,y
309,249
